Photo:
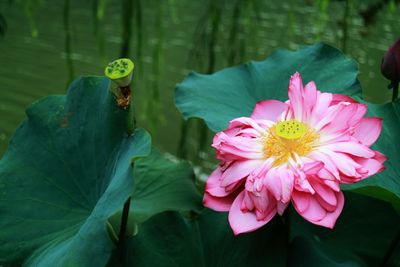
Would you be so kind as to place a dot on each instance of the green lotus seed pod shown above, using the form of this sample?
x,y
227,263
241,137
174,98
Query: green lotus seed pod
x,y
120,71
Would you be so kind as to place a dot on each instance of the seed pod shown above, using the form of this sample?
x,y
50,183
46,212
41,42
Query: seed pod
x,y
120,71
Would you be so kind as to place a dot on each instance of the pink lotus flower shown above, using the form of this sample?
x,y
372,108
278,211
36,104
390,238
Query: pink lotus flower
x,y
299,151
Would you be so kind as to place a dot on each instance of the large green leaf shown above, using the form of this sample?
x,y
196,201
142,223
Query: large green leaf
x,y
309,252
165,240
162,185
386,183
204,241
363,233
233,92
67,169
265,247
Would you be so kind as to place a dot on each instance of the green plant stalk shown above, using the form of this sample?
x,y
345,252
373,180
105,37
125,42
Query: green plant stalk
x,y
395,91
68,49
233,32
213,40
122,229
155,104
182,148
131,123
172,10
345,25
30,7
95,7
98,8
127,8
321,17
139,37
203,137
3,26
247,34
131,126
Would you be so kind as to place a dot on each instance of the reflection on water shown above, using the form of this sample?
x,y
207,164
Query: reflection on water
x,y
176,36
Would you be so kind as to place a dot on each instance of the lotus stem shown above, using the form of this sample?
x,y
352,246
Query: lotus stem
x,y
122,229
120,72
131,119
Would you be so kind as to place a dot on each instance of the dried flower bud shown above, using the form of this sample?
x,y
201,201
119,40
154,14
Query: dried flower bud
x,y
390,67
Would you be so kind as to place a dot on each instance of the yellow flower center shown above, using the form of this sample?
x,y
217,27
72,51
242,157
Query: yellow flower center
x,y
289,139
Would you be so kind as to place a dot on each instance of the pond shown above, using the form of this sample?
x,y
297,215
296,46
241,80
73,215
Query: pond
x,y
170,38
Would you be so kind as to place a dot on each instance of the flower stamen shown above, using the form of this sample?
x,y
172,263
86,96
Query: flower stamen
x,y
289,140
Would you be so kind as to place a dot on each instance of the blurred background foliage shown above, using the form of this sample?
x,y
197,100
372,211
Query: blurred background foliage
x,y
45,44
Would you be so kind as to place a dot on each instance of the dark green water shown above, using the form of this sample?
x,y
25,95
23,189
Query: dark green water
x,y
33,67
